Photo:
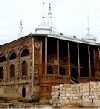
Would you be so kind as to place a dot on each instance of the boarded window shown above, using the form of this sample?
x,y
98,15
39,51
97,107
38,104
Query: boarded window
x,y
1,72
25,52
12,70
24,68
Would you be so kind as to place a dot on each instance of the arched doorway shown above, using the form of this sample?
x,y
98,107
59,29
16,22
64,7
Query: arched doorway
x,y
23,92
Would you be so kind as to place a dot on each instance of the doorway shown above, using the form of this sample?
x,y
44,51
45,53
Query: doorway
x,y
23,92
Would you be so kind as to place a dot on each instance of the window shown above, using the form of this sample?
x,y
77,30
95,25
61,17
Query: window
x,y
23,92
62,70
49,69
74,73
12,56
84,60
24,68
2,58
1,72
25,52
12,71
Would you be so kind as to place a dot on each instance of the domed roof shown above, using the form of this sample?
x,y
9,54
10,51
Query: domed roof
x,y
89,38
42,28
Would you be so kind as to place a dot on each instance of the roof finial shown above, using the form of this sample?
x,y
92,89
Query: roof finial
x,y
21,28
43,11
50,12
88,37
50,17
88,24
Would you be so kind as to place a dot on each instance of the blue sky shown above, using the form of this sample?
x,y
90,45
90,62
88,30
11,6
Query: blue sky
x,y
69,17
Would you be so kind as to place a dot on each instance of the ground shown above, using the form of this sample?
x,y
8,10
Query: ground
x,y
36,105
15,104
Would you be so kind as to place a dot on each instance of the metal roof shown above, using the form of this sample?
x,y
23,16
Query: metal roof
x,y
89,37
71,38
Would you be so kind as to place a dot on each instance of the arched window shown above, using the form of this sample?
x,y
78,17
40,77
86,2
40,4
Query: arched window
x,y
1,72
12,56
24,68
12,70
2,58
25,52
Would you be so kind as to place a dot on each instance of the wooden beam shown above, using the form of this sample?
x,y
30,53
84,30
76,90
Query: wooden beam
x,y
89,62
58,55
45,55
78,61
69,60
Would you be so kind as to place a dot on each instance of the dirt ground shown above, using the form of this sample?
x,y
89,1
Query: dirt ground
x,y
14,104
37,105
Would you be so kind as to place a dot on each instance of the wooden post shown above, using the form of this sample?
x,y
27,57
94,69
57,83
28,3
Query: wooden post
x,y
78,61
69,60
58,55
89,62
94,56
94,59
99,59
45,55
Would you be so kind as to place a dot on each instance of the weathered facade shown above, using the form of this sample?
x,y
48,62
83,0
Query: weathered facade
x,y
31,65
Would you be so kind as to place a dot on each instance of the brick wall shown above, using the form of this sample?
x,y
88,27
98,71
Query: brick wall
x,y
12,87
83,94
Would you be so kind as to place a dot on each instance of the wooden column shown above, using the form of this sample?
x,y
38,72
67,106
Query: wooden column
x,y
69,60
94,56
94,59
58,55
45,55
99,58
78,61
89,62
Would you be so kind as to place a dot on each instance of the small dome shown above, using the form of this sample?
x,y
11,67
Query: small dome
x,y
43,28
89,38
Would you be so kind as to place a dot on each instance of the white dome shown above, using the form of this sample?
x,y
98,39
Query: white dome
x,y
89,38
43,28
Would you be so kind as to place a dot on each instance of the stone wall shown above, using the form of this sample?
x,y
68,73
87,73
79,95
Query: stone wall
x,y
83,94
